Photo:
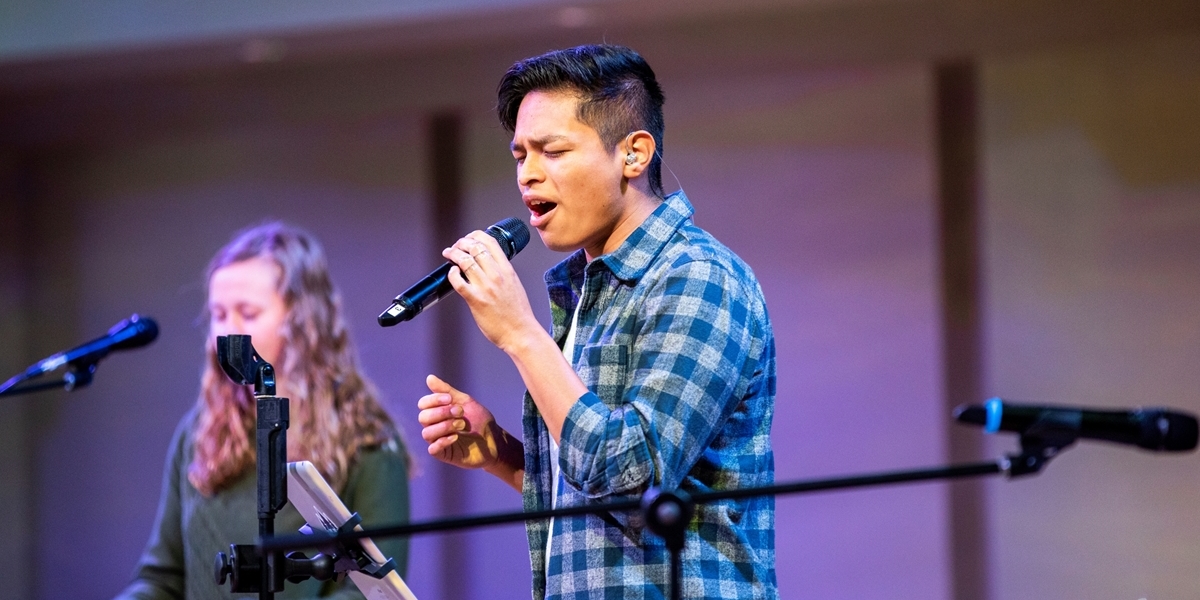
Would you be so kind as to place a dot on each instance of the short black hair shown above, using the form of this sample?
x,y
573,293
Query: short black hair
x,y
617,89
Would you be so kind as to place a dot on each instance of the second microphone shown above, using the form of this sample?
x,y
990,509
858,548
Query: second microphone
x,y
512,236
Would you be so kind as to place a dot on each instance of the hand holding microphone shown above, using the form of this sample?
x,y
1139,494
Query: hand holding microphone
x,y
492,290
510,236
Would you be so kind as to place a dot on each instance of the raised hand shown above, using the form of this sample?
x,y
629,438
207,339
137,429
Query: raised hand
x,y
460,431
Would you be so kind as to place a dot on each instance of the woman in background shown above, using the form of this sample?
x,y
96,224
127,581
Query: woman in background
x,y
272,283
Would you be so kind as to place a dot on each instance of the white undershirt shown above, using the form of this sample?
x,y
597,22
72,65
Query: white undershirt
x,y
555,471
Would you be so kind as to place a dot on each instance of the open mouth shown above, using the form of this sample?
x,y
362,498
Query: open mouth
x,y
539,209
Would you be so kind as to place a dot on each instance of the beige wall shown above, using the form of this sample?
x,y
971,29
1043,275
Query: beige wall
x,y
1093,222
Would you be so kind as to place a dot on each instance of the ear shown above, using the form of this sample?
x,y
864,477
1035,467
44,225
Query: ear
x,y
636,151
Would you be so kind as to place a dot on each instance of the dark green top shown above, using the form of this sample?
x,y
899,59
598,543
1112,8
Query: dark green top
x,y
191,529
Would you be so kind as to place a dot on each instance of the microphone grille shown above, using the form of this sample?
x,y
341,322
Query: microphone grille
x,y
512,234
1178,431
134,332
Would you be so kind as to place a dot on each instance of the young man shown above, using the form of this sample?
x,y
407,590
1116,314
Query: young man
x,y
660,370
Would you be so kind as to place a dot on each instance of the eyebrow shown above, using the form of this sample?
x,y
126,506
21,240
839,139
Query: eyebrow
x,y
542,141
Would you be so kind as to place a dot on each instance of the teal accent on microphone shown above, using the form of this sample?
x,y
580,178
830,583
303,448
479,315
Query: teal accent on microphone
x,y
995,410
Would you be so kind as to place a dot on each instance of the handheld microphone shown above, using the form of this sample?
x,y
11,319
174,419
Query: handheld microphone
x,y
512,235
1155,429
134,332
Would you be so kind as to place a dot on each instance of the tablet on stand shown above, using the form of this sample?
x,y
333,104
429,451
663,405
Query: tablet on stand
x,y
323,510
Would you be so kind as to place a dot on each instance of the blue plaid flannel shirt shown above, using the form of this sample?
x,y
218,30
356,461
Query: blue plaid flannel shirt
x,y
676,349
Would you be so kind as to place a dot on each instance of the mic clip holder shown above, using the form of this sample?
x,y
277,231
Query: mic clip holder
x,y
242,364
1040,442
79,374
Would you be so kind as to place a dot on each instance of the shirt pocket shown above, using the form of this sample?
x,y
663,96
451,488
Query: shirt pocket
x,y
604,369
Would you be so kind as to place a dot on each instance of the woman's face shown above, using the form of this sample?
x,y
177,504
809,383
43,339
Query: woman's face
x,y
243,300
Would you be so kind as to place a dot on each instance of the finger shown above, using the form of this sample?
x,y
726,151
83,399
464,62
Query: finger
x,y
458,281
480,246
431,435
443,429
439,414
483,259
432,400
429,417
477,255
486,241
467,242
454,253
460,257
444,425
441,445
487,247
438,386
468,246
463,260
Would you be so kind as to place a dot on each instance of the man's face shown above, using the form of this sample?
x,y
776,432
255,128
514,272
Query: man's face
x,y
570,182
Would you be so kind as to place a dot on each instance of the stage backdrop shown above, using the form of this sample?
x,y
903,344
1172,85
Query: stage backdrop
x,y
820,173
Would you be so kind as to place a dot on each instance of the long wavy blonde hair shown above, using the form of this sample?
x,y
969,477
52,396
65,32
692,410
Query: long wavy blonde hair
x,y
333,409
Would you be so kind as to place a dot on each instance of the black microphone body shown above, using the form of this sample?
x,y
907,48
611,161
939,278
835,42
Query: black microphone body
x,y
1157,429
134,332
512,235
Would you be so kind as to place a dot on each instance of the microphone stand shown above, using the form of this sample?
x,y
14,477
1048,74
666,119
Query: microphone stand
x,y
81,361
250,570
272,424
78,375
668,513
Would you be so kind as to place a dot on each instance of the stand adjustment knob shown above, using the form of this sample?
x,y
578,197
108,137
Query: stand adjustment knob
x,y
222,569
241,568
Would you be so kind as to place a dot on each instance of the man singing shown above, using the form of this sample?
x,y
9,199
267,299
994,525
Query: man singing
x,y
660,369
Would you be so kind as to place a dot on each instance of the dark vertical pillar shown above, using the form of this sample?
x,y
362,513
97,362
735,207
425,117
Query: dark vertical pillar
x,y
52,311
450,318
958,192
16,443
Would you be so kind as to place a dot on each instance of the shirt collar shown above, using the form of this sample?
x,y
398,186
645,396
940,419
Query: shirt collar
x,y
633,257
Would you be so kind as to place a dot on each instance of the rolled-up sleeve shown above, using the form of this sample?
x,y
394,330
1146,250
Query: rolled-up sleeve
x,y
663,388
